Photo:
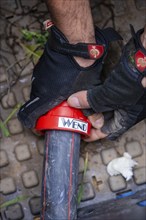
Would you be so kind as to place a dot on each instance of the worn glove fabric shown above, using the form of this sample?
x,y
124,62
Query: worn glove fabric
x,y
57,75
122,91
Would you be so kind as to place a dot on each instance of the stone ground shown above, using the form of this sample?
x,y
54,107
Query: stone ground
x,y
21,154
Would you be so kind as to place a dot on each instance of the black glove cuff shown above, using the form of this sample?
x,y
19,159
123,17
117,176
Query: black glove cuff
x,y
59,43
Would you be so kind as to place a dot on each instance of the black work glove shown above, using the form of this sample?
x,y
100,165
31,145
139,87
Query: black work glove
x,y
122,91
57,75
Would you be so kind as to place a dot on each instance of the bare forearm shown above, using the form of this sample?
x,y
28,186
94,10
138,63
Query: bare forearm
x,y
73,18
143,37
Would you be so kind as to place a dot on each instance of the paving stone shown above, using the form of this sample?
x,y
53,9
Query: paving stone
x,y
9,100
80,178
119,7
3,158
22,152
81,164
140,175
14,212
97,13
26,93
30,179
28,3
108,155
88,192
3,77
3,88
40,146
42,7
28,70
94,161
15,127
117,183
7,185
35,205
11,4
134,148
140,4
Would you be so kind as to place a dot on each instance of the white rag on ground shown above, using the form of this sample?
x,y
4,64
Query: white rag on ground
x,y
122,165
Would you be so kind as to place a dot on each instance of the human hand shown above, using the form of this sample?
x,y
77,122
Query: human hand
x,y
79,100
57,75
123,93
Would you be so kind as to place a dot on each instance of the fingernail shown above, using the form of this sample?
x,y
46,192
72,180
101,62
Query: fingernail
x,y
74,101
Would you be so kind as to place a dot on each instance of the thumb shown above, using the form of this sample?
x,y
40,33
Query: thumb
x,y
78,100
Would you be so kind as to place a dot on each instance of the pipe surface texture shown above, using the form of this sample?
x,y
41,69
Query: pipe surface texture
x,y
60,175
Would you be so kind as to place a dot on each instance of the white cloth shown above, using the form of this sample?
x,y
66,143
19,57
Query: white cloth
x,y
122,165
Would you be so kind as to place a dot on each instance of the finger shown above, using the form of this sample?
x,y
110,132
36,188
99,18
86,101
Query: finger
x,y
97,120
144,82
78,100
95,135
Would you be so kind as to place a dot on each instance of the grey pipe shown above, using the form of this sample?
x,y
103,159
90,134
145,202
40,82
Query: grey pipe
x,y
60,175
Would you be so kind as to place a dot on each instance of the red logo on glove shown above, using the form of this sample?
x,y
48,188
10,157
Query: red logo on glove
x,y
140,61
95,51
47,24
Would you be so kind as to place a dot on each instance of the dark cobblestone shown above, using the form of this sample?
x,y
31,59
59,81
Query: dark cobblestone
x,y
30,179
7,185
140,175
14,212
120,7
40,146
140,4
35,205
4,161
88,192
9,100
108,155
134,148
15,127
22,152
117,183
26,93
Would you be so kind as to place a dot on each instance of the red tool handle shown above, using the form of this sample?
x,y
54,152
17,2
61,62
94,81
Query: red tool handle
x,y
64,117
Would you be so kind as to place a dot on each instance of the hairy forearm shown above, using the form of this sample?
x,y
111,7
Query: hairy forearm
x,y
73,18
143,37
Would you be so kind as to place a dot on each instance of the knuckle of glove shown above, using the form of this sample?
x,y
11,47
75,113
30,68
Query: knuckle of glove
x,y
117,125
123,88
122,120
56,76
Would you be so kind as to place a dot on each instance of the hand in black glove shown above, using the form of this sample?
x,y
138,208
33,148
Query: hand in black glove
x,y
57,75
122,92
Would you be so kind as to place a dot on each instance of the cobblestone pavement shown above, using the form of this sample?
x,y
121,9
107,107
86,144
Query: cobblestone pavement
x,y
21,154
